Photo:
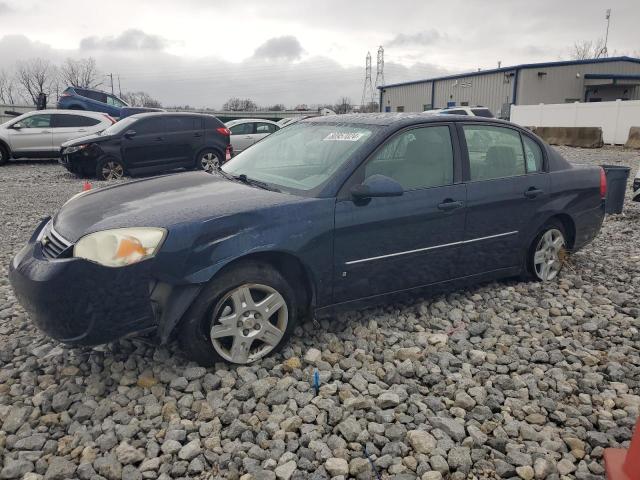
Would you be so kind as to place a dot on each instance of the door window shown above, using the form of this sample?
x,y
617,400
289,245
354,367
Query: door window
x,y
182,124
115,102
242,129
494,152
149,126
418,158
533,154
65,121
36,121
265,128
97,96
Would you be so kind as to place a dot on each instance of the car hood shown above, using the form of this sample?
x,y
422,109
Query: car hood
x,y
93,138
166,201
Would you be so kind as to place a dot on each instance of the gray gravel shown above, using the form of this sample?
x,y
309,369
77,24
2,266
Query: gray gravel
x,y
505,380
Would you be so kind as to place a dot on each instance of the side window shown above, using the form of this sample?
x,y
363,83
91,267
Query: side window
x,y
148,126
494,152
97,96
114,101
180,124
454,112
36,121
67,121
418,158
242,129
265,128
533,155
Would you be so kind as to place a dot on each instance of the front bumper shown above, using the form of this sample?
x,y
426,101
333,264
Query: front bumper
x,y
80,302
78,162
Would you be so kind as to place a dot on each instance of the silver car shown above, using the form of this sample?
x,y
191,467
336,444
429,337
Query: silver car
x,y
247,131
40,133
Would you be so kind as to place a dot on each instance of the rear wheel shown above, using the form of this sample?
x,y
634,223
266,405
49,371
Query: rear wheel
x,y
4,155
208,160
109,169
243,315
548,252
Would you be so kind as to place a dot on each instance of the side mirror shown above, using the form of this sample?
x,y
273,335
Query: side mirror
x,y
377,186
17,126
130,134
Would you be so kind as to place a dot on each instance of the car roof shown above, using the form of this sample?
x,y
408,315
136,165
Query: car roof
x,y
169,114
84,113
397,118
238,121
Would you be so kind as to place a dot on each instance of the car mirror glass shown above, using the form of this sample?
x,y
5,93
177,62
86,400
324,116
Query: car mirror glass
x,y
377,186
18,125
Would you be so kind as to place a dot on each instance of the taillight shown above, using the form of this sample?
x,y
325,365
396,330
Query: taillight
x,y
63,94
228,153
603,184
111,119
224,131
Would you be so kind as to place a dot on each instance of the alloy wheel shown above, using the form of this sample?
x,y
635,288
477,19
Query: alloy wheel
x,y
547,259
209,162
112,170
248,323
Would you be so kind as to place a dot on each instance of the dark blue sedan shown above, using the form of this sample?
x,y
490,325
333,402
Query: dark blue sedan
x,y
330,213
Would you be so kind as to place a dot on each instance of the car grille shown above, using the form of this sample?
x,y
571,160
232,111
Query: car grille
x,y
55,245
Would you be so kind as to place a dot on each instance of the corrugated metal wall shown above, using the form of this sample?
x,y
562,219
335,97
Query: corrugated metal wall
x,y
492,90
414,98
562,83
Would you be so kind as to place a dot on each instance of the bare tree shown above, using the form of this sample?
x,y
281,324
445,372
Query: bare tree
x,y
236,104
35,76
278,107
81,73
588,49
8,93
343,105
141,99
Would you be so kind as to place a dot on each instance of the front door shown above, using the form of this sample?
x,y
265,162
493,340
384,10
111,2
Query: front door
x,y
32,134
507,185
147,149
389,244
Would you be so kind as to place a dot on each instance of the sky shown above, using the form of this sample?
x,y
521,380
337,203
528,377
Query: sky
x,y
202,52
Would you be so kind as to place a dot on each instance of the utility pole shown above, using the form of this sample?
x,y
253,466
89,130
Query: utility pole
x,y
380,68
119,87
367,90
605,52
110,75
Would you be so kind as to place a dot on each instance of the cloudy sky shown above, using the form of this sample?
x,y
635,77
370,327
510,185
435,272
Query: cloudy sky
x,y
201,52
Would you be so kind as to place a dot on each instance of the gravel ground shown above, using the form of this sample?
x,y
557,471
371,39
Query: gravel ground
x,y
503,380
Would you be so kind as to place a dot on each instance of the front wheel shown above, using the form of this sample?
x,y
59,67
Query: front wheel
x,y
246,313
209,161
4,155
548,252
109,169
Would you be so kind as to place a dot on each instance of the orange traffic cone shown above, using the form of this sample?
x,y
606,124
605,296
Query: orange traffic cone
x,y
624,464
86,186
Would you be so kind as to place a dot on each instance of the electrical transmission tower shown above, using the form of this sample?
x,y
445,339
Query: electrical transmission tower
x,y
380,69
367,91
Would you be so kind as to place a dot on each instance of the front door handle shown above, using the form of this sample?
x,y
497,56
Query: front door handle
x,y
159,139
197,134
449,204
533,192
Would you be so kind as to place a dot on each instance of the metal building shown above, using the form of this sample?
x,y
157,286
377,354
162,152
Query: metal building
x,y
595,80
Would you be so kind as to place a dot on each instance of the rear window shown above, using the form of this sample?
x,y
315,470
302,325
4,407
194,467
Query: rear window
x,y
454,112
482,112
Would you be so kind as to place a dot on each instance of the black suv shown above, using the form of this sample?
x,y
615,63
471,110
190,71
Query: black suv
x,y
150,143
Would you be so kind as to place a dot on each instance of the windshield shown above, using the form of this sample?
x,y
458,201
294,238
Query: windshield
x,y
300,157
119,126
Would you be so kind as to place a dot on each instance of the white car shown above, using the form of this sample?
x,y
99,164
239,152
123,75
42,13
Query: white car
x,y
39,134
247,131
470,111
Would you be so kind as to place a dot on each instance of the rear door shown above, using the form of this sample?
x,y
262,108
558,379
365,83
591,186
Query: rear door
x,y
69,126
263,129
184,138
505,191
32,134
389,244
148,148
242,136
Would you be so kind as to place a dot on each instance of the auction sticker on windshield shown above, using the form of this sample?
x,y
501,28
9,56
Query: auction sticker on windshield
x,y
343,137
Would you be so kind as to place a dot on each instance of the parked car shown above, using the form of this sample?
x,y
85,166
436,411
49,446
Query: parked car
x,y
636,187
478,111
75,98
247,131
150,142
330,213
40,133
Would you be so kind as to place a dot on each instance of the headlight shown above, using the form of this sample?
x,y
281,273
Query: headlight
x,y
75,149
120,247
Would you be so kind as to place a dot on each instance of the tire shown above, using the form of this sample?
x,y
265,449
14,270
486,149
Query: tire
x,y
547,253
208,160
4,155
109,168
224,297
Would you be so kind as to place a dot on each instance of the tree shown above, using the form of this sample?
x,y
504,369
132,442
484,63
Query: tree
x,y
343,105
278,107
81,73
587,49
35,76
7,88
141,99
235,104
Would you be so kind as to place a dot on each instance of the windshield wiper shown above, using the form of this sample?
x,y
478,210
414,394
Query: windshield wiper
x,y
256,183
226,175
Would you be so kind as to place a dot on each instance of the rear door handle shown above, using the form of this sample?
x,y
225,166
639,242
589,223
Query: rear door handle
x,y
197,134
533,192
159,139
449,204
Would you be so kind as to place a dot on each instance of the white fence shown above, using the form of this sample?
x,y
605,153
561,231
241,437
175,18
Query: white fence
x,y
615,118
